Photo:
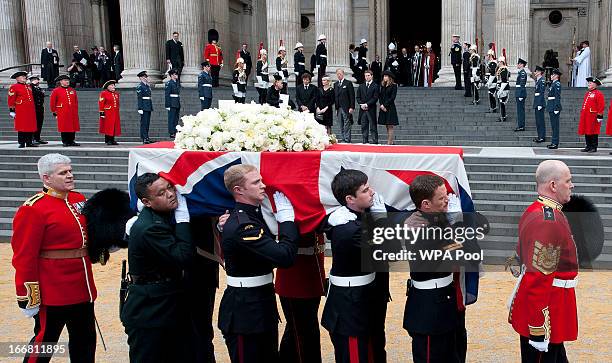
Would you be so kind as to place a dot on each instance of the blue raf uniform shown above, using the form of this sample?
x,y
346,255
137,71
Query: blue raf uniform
x,y
553,106
173,104
521,96
205,90
539,104
145,107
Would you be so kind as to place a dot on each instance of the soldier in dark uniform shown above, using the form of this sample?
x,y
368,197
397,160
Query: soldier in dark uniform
x,y
248,315
539,104
39,104
175,56
321,58
205,86
392,64
491,78
145,106
173,101
475,75
553,106
49,64
467,70
455,54
520,95
299,63
281,67
262,72
157,307
503,87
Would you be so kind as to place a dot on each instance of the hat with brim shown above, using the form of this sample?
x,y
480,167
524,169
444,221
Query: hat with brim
x,y
63,76
108,83
557,72
539,69
33,77
522,61
594,80
142,74
19,74
388,73
321,37
455,36
363,41
281,48
298,45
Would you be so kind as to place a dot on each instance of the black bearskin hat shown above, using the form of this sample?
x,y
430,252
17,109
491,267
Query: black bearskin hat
x,y
587,228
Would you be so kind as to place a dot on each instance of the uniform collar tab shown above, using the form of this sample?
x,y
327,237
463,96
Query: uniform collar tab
x,y
550,202
54,193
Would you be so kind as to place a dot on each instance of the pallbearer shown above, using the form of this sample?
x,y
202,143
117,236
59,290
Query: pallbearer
x,y
110,120
22,110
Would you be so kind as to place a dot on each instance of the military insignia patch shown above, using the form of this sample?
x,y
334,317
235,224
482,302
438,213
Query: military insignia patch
x,y
549,213
33,294
544,329
33,199
545,257
78,206
252,234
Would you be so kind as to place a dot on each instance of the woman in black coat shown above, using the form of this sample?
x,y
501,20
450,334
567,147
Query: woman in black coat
x,y
325,101
388,112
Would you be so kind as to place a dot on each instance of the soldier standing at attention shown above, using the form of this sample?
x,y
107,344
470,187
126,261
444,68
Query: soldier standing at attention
x,y
214,55
321,56
39,104
22,109
299,63
110,121
491,76
467,70
475,74
65,107
248,315
205,86
553,106
539,104
521,94
173,102
591,115
455,54
503,86
145,106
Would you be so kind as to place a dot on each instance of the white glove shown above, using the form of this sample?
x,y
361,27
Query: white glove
x,y
341,216
129,224
284,208
140,112
168,108
30,312
13,114
181,213
378,205
599,120
541,346
556,112
222,220
454,203
202,98
539,108
521,99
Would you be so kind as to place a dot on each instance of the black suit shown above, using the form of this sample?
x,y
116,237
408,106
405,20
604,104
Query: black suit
x,y
306,97
345,100
50,66
248,317
248,62
118,65
367,119
157,307
174,52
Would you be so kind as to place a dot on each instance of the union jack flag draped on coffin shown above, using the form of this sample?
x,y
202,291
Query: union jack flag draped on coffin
x,y
304,177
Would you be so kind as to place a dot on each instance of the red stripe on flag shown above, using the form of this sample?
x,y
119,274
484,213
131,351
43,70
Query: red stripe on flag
x,y
353,350
186,164
386,149
158,145
297,175
407,176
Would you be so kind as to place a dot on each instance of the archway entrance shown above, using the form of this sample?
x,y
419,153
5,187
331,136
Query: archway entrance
x,y
415,22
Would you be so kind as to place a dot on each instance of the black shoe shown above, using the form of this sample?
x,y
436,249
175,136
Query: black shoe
x,y
519,129
592,150
114,142
31,145
43,142
553,146
21,146
586,149
538,140
66,145
74,144
492,110
147,141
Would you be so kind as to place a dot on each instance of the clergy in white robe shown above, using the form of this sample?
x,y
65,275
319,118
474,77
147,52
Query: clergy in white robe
x,y
583,62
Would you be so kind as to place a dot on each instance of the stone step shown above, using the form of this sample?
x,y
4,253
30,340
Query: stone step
x,y
579,188
530,178
512,168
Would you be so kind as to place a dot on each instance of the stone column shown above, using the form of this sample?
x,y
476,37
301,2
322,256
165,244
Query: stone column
x,y
40,29
458,17
607,82
139,35
335,21
186,17
218,12
284,23
11,37
105,27
512,30
97,23
378,34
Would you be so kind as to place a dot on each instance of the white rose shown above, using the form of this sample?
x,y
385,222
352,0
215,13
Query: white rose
x,y
298,147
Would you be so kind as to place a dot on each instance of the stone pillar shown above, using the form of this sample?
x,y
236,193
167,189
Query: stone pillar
x,y
335,21
458,17
512,30
219,20
105,27
11,37
139,35
607,82
186,17
284,23
97,23
40,29
378,35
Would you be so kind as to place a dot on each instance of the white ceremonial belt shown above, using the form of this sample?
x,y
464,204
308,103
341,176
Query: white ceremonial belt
x,y
551,98
146,98
207,85
264,73
301,63
433,283
309,251
351,281
174,95
536,94
323,56
566,284
518,86
253,281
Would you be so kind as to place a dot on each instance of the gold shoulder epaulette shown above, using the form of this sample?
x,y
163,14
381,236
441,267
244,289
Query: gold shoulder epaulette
x,y
33,199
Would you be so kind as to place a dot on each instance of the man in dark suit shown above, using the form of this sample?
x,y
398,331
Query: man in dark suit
x,y
49,64
248,315
117,62
156,311
175,55
345,104
248,62
306,95
367,96
82,57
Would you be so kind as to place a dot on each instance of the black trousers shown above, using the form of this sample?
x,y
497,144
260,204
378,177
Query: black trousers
x,y
145,121
301,341
262,95
492,99
439,348
108,139
592,141
467,83
368,126
461,337
202,323
352,349
253,348
475,92
502,107
321,74
457,70
80,321
40,118
556,353
164,344
214,73
24,138
68,137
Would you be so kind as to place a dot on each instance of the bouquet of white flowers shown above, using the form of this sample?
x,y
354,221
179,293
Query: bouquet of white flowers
x,y
251,127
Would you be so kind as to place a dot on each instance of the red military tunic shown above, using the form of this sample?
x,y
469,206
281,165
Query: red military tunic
x,y
609,124
21,100
51,221
65,104
592,107
542,308
213,54
305,279
108,103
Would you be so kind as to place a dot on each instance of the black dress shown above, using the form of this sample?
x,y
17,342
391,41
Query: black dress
x,y
387,99
326,99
